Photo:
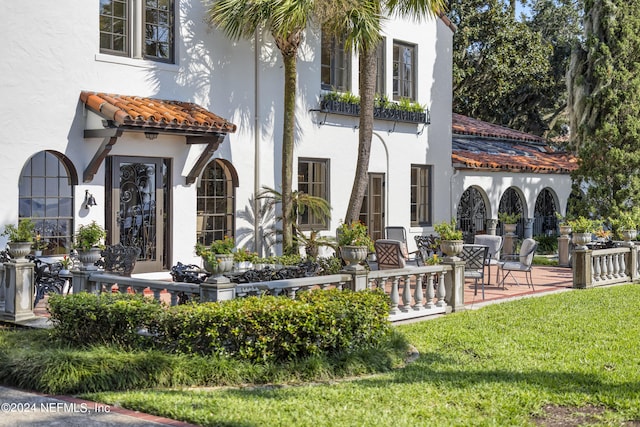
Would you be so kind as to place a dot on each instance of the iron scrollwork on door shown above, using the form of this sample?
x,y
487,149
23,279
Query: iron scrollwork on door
x,y
137,215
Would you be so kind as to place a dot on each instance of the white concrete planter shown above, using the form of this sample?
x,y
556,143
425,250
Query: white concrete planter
x,y
19,250
581,240
451,247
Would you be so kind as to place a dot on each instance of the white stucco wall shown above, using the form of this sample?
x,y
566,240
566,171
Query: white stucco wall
x,y
51,53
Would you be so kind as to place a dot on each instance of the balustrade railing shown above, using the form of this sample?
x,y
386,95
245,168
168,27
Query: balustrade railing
x,y
177,291
602,267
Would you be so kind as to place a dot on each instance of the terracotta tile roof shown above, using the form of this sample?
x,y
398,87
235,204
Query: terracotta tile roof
x,y
156,114
481,145
463,125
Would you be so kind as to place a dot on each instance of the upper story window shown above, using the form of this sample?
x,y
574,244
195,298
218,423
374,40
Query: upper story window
x,y
404,71
138,28
335,64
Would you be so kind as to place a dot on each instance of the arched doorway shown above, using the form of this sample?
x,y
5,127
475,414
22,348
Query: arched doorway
x,y
216,202
512,203
472,214
545,221
46,197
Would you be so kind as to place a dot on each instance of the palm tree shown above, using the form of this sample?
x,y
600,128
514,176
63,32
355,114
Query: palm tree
x,y
286,20
360,34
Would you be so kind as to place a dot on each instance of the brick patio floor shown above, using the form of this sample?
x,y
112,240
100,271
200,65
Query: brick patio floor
x,y
545,279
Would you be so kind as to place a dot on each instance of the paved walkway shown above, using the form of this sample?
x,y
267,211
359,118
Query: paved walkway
x,y
20,408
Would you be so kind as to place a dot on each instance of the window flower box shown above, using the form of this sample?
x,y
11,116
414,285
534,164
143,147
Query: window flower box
x,y
395,113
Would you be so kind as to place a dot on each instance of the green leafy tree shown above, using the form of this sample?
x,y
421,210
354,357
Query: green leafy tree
x,y
509,70
605,106
362,25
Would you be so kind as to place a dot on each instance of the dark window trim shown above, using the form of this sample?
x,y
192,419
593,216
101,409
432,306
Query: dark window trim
x,y
414,71
419,222
337,47
327,186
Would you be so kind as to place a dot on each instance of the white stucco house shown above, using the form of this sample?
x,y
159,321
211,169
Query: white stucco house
x,y
171,128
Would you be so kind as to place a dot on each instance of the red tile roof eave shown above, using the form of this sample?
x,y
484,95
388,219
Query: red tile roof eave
x,y
162,115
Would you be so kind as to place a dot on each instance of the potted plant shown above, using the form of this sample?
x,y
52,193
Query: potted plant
x,y
354,243
509,221
243,259
565,228
217,258
583,229
625,225
20,238
39,245
89,243
450,239
66,262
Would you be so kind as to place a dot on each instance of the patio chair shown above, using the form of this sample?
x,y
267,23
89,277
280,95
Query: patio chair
x,y
389,254
400,234
495,247
523,262
475,257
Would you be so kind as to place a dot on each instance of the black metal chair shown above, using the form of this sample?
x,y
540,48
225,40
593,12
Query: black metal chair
x,y
475,257
427,247
120,259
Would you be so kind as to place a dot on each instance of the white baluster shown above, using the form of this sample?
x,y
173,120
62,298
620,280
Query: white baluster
x,y
595,268
610,267
406,294
616,266
440,294
394,295
417,296
430,290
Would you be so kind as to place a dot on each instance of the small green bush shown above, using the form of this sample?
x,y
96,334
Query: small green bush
x,y
547,244
277,329
85,319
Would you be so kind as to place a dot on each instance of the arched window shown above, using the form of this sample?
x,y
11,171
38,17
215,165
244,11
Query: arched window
x,y
511,203
545,221
46,196
216,202
472,214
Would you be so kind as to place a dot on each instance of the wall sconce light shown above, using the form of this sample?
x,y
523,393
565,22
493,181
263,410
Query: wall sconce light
x,y
89,200
151,135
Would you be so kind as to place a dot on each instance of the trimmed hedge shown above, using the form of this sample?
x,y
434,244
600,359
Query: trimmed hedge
x,y
85,319
267,328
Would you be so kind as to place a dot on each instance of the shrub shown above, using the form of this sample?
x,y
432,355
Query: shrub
x,y
447,230
85,319
275,329
547,244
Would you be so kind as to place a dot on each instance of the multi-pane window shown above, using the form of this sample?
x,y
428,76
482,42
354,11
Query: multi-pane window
x,y
46,197
138,28
421,195
313,180
335,64
404,71
216,203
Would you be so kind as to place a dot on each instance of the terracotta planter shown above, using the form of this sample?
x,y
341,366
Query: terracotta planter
x,y
451,247
353,256
19,250
224,264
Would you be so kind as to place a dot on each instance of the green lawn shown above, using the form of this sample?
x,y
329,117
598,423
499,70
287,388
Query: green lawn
x,y
575,354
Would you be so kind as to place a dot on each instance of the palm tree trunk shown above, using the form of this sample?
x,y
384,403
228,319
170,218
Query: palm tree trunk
x,y
287,147
367,83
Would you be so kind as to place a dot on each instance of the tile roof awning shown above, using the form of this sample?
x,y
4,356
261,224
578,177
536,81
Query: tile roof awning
x,y
137,113
480,145
111,115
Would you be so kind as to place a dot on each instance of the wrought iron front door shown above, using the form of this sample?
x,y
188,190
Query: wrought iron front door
x,y
138,208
